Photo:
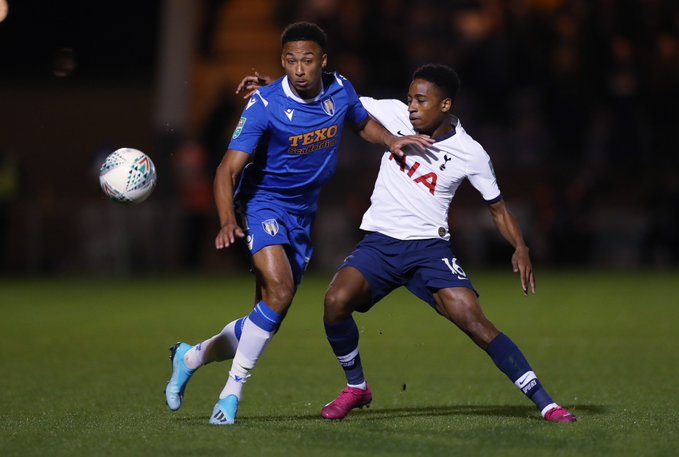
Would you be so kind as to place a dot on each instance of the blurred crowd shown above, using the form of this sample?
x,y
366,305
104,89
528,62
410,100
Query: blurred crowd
x,y
575,100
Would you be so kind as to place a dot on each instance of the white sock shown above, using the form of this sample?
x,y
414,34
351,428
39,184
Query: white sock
x,y
362,386
548,408
220,347
253,341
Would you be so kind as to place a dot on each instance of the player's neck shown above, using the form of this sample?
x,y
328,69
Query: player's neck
x,y
443,129
306,95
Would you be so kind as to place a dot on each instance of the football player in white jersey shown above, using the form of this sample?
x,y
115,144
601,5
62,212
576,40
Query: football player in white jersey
x,y
408,241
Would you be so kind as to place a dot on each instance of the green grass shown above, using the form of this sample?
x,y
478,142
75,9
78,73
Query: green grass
x,y
84,363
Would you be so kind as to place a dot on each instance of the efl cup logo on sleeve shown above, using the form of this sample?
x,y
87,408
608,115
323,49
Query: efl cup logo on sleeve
x,y
270,226
239,128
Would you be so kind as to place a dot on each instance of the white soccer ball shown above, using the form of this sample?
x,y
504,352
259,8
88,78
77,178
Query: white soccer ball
x,y
127,176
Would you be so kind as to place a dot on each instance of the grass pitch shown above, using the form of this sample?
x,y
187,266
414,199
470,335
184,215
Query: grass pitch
x,y
83,365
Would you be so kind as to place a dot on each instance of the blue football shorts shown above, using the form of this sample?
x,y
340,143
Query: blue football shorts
x,y
422,266
266,224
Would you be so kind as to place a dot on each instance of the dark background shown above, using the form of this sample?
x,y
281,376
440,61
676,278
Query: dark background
x,y
576,102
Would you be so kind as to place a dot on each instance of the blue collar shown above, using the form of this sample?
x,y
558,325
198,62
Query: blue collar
x,y
447,135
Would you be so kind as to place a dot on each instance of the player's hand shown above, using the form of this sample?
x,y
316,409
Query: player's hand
x,y
250,83
227,235
522,265
397,143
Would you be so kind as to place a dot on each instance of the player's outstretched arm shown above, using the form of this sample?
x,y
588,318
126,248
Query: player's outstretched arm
x,y
374,132
509,228
225,182
250,83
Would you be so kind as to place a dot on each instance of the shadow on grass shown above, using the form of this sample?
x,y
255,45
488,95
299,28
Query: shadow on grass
x,y
516,411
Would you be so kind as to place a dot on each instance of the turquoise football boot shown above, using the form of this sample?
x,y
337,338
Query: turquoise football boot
x,y
174,392
224,412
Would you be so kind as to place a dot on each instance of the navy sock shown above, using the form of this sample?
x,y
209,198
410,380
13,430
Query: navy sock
x,y
509,359
343,338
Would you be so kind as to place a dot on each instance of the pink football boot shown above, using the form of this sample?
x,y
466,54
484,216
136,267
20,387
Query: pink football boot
x,y
560,414
348,399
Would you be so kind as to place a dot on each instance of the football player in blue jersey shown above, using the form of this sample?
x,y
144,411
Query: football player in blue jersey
x,y
266,188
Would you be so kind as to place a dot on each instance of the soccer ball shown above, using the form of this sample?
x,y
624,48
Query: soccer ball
x,y
127,176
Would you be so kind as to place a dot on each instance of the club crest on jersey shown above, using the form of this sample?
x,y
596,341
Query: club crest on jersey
x,y
239,128
270,226
443,165
329,106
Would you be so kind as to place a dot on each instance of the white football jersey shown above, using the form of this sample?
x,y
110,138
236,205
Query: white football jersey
x,y
412,196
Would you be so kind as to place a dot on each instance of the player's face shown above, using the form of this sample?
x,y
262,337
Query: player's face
x,y
427,107
303,62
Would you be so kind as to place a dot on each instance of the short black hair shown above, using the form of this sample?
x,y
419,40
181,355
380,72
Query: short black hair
x,y
442,75
304,31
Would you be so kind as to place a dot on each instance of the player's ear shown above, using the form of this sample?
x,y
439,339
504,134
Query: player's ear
x,y
446,104
283,60
324,61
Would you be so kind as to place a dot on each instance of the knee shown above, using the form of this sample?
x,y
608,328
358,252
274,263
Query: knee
x,y
465,311
278,296
336,306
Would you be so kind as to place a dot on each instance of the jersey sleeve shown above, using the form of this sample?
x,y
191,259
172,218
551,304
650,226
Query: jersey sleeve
x,y
356,113
482,175
392,114
251,125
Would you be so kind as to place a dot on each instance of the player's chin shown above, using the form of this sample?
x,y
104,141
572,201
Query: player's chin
x,y
303,85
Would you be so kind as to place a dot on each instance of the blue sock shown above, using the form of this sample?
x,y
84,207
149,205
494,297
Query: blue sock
x,y
260,316
343,338
509,359
265,318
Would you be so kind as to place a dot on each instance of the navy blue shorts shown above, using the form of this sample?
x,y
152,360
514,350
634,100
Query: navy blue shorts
x,y
266,224
422,266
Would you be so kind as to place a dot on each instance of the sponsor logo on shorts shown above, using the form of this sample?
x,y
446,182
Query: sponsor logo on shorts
x,y
270,226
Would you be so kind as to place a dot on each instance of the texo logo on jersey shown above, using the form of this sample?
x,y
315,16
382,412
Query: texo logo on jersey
x,y
427,179
313,137
313,141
